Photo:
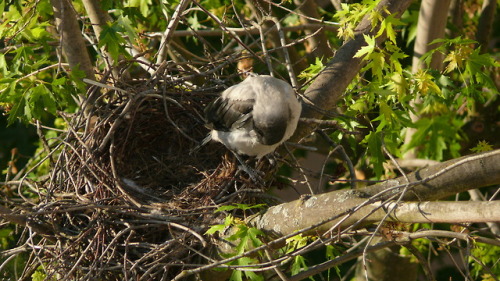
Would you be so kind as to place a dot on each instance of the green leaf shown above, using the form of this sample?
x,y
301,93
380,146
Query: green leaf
x,y
245,261
254,234
112,39
387,25
312,70
377,65
368,49
248,207
244,238
298,265
215,228
237,275
143,5
435,135
376,157
296,242
226,208
18,109
254,276
193,22
475,65
228,221
38,275
487,255
387,114
482,146
128,27
3,65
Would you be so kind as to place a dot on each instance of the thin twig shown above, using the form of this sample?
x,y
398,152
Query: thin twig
x,y
172,25
243,30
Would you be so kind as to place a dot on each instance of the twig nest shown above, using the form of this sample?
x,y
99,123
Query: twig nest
x,y
128,196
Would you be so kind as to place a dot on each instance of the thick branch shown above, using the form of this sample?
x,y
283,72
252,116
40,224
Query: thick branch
x,y
329,86
98,19
439,212
97,16
486,23
72,41
431,25
73,45
448,178
318,44
431,183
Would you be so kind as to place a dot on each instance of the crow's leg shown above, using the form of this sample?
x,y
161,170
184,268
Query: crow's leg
x,y
254,174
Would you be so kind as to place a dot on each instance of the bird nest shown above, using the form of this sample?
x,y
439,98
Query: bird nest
x,y
129,194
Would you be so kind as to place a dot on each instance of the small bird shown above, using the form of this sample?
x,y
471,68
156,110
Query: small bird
x,y
253,117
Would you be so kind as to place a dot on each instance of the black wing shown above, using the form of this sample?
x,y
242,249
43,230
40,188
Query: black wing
x,y
270,129
223,114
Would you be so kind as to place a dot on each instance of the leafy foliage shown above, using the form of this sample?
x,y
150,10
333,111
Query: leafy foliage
x,y
33,86
446,99
485,255
245,238
312,70
350,15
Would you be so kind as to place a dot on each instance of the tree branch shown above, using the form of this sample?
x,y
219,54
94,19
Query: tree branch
x,y
405,237
344,208
73,44
312,27
330,84
431,26
72,41
172,25
25,220
317,44
486,23
439,212
99,18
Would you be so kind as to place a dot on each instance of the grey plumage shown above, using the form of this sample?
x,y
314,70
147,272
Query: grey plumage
x,y
254,117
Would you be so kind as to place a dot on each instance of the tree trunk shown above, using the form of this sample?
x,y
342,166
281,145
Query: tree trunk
x,y
386,265
72,42
485,24
431,25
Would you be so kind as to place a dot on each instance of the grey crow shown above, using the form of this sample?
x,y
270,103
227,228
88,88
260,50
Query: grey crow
x,y
254,117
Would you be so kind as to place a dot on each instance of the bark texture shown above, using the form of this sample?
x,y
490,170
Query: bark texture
x,y
72,42
326,90
345,208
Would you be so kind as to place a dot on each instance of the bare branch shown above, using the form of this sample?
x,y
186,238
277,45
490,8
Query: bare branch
x,y
24,220
172,25
440,212
343,208
245,30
